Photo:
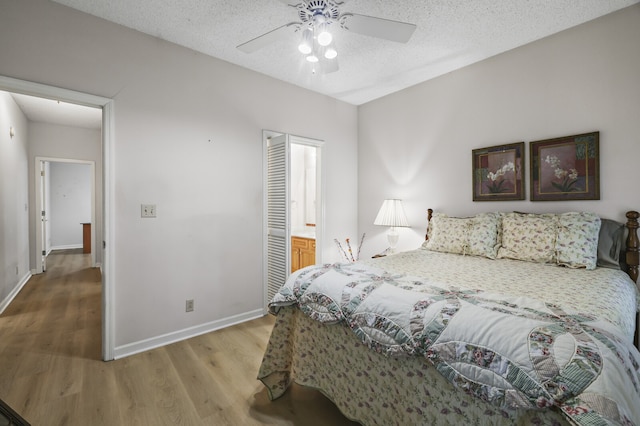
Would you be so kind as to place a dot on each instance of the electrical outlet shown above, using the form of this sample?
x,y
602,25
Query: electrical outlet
x,y
147,210
189,305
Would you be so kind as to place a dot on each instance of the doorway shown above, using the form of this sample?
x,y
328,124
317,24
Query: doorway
x,y
76,178
13,85
293,207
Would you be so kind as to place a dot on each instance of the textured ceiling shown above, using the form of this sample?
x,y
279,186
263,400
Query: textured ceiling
x,y
450,34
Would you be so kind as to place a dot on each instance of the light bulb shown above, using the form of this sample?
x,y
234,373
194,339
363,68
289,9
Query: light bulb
x,y
306,41
324,38
330,53
312,58
305,49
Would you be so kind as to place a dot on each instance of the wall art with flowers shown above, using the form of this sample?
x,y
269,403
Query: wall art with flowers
x,y
565,168
498,173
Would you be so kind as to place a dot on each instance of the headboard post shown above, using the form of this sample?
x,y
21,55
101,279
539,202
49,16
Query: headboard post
x,y
633,245
429,215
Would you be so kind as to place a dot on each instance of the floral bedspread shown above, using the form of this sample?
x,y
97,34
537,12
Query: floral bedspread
x,y
512,351
607,293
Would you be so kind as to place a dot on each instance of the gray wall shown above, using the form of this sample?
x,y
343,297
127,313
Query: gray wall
x,y
416,144
14,201
70,203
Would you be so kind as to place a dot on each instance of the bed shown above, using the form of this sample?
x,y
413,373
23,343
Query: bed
x,y
499,318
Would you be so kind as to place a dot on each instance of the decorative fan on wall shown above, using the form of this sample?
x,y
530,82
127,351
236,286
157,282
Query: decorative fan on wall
x,y
318,18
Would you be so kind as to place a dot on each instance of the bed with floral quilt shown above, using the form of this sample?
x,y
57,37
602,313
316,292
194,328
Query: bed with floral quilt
x,y
501,318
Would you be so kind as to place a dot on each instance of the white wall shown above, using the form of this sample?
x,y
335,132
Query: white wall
x,y
69,143
70,203
416,144
14,212
188,138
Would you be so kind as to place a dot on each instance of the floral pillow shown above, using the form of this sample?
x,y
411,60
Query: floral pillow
x,y
476,236
529,237
577,241
447,234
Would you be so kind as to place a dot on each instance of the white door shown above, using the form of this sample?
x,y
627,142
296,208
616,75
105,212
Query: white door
x,y
44,199
278,242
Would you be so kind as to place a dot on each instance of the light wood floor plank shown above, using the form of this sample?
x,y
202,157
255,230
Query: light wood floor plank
x,y
51,372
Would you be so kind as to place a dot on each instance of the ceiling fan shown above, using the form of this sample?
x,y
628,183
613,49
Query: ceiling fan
x,y
317,19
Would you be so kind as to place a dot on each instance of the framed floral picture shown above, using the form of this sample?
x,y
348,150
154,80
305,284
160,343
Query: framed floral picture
x,y
566,168
498,173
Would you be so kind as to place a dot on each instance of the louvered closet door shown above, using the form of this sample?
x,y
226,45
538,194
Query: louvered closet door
x,y
278,245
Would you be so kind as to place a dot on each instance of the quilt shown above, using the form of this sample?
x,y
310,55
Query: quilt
x,y
513,352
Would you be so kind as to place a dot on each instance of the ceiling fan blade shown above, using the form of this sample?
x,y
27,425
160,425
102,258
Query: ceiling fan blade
x,y
378,27
268,38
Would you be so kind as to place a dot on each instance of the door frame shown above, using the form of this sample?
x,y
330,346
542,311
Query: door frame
x,y
39,207
108,182
320,194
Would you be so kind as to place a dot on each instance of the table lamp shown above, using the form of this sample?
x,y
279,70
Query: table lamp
x,y
392,214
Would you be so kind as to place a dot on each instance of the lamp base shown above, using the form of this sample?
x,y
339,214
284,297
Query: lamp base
x,y
392,237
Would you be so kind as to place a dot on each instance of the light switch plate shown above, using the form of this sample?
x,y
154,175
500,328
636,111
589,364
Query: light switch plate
x,y
147,210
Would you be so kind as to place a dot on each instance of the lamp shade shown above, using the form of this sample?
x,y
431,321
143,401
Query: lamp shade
x,y
391,214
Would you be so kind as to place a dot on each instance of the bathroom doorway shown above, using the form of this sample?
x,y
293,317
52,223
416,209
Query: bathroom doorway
x,y
293,209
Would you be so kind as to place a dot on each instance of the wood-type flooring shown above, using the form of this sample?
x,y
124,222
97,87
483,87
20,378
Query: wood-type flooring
x,y
51,371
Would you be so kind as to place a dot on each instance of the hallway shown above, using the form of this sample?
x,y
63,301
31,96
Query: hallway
x,y
51,336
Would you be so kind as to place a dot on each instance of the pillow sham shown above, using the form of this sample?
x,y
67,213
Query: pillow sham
x,y
476,236
529,237
577,241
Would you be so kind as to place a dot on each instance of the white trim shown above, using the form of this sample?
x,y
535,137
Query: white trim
x,y
265,222
108,233
67,247
187,333
7,300
108,298
51,92
320,189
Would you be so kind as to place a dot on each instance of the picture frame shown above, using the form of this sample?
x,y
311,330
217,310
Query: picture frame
x,y
498,172
565,168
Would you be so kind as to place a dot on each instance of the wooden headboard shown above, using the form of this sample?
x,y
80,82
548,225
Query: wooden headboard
x,y
632,245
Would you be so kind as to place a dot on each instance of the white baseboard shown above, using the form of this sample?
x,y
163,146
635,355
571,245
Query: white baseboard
x,y
14,292
65,247
187,333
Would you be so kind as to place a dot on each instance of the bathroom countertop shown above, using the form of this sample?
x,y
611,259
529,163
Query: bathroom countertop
x,y
304,234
